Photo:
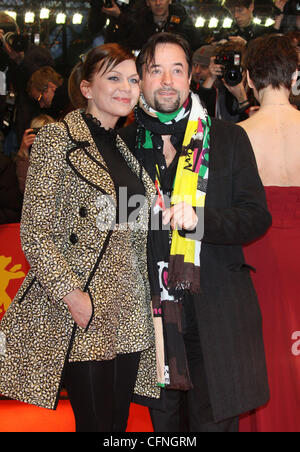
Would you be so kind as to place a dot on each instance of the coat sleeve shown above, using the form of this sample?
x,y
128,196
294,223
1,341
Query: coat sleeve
x,y
40,228
247,218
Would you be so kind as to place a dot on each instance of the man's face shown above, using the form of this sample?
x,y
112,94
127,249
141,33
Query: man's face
x,y
44,98
242,15
199,72
159,7
166,81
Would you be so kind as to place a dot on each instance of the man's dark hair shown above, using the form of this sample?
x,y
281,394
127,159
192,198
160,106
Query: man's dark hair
x,y
229,4
147,54
271,60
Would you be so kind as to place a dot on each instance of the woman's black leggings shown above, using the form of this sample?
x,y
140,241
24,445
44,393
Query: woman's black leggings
x,y
100,392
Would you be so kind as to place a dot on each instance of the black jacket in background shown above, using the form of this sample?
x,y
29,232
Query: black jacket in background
x,y
10,196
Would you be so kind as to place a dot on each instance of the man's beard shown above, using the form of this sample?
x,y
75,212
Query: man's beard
x,y
169,106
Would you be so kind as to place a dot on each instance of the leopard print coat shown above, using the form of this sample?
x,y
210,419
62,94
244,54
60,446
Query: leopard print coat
x,y
69,195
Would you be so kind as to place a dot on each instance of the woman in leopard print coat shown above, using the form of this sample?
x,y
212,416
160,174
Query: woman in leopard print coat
x,y
84,308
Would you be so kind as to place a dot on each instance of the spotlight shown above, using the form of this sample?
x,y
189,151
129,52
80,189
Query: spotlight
x,y
200,22
61,18
227,22
12,14
29,17
213,23
77,19
269,22
257,20
44,13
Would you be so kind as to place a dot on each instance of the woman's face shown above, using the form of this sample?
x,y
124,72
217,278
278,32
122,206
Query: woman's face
x,y
113,93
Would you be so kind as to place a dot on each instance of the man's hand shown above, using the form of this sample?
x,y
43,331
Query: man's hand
x,y
237,39
238,91
80,307
181,216
114,11
215,71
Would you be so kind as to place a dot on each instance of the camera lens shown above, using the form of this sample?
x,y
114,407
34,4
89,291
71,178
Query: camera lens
x,y
233,76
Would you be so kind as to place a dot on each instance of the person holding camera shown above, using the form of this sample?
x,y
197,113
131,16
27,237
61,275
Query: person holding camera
x,y
223,91
22,157
144,18
244,29
48,88
24,58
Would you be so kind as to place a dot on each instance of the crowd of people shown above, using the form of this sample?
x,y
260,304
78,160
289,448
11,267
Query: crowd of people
x,y
199,130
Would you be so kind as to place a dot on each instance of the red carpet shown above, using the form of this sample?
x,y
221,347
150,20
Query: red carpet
x,y
20,417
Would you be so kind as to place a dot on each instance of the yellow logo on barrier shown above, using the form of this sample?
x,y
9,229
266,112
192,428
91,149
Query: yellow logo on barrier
x,y
5,277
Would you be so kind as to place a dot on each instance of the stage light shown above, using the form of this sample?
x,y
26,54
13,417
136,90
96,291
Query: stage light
x,y
200,22
227,22
257,20
29,17
77,19
61,18
12,14
44,13
269,22
213,23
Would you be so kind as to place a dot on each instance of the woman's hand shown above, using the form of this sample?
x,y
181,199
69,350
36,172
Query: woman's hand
x,y
181,216
80,307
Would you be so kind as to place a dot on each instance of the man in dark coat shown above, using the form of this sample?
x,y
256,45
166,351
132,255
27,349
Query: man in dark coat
x,y
10,196
217,366
134,25
243,27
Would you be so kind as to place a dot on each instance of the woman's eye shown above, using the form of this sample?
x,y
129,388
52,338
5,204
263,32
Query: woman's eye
x,y
113,78
134,81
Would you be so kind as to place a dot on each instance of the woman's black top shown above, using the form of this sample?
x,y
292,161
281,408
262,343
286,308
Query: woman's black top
x,y
123,177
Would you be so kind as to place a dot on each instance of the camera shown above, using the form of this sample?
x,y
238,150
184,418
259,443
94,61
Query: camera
x,y
233,72
17,42
8,27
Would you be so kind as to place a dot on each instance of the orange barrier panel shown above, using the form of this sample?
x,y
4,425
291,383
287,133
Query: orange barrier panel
x,y
13,269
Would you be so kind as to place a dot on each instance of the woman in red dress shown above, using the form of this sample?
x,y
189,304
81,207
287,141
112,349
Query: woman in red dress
x,y
274,132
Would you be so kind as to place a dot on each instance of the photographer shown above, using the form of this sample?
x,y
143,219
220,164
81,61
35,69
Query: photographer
x,y
48,88
24,58
133,26
244,29
223,91
22,158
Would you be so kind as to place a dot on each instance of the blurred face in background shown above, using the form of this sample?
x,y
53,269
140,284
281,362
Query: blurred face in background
x,y
242,15
159,8
200,72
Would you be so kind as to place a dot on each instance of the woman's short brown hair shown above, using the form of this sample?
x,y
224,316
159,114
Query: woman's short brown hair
x,y
271,60
104,57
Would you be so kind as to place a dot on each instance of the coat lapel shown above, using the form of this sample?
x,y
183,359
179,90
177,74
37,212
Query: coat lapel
x,y
85,158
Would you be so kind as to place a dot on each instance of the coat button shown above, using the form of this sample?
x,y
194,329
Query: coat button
x,y
83,212
74,238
